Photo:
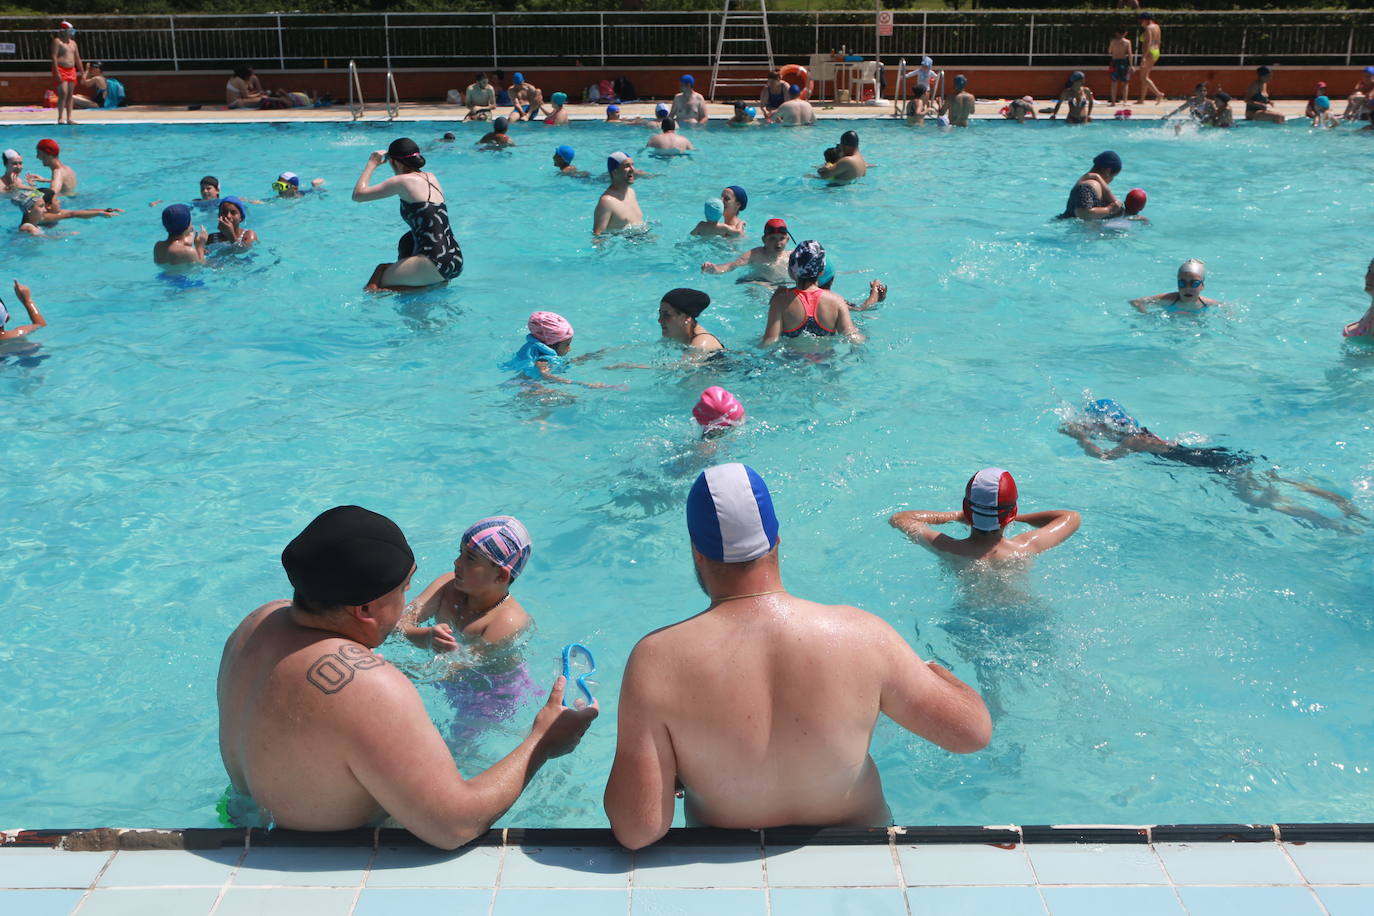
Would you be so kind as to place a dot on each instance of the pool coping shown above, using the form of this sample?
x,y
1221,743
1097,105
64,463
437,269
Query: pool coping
x,y
104,839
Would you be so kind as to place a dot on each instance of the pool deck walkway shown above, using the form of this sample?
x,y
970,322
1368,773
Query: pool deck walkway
x,y
1204,870
987,109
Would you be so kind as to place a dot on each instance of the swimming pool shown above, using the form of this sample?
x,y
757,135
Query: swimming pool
x,y
1183,658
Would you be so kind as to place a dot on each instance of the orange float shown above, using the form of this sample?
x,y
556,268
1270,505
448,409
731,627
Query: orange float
x,y
803,78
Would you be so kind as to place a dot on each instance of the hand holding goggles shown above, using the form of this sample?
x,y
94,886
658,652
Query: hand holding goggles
x,y
569,651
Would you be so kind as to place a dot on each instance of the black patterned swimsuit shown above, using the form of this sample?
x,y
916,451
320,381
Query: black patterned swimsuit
x,y
431,235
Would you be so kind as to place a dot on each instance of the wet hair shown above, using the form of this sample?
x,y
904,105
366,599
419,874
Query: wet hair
x,y
243,71
919,92
832,155
47,194
667,124
1263,71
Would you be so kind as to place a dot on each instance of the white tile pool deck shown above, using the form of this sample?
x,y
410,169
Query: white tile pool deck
x,y
733,879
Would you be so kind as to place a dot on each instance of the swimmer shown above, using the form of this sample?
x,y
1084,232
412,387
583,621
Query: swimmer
x,y
718,411
497,137
209,194
960,108
766,262
427,254
743,117
678,312
772,97
850,165
807,309
733,200
1120,53
669,141
689,107
1091,197
1221,115
36,319
288,184
1323,117
527,99
1258,106
1076,81
618,207
1364,328
990,506
233,213
559,115
1192,280
1108,420
13,177
796,111
562,160
545,350
877,289
1019,109
181,245
63,178
46,210
613,116
480,98
917,107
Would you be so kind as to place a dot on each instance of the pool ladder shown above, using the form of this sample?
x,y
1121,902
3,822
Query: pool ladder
x,y
357,105
899,103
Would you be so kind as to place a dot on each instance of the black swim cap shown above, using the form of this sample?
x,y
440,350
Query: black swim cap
x,y
687,301
499,125
849,138
405,151
667,124
1107,160
348,556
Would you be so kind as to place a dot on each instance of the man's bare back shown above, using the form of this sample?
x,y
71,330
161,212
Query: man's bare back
x,y
961,109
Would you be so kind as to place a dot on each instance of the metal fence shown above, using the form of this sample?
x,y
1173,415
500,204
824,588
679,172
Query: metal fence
x,y
607,39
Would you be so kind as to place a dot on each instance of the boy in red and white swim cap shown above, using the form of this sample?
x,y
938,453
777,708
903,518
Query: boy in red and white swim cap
x,y
990,506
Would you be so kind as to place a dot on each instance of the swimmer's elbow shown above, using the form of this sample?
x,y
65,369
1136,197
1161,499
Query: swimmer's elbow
x,y
637,835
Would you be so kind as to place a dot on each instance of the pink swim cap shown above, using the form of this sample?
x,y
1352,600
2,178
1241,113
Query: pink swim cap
x,y
1135,201
718,407
550,328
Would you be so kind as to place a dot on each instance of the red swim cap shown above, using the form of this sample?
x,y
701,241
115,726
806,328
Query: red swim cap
x,y
990,499
1135,201
49,146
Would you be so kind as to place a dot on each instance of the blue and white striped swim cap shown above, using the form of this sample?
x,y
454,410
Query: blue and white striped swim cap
x,y
730,514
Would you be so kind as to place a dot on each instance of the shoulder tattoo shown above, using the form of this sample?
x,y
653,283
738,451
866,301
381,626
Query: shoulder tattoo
x,y
333,671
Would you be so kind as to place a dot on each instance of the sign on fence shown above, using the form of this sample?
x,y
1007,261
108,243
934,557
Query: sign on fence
x,y
884,23
6,47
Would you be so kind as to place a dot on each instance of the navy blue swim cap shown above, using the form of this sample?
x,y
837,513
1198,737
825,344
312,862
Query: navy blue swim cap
x,y
740,196
176,219
960,81
1107,160
518,77
243,210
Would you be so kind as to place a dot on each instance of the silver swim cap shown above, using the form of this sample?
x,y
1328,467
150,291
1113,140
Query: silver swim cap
x,y
1193,267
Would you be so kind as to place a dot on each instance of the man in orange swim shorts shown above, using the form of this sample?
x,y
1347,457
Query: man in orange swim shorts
x,y
66,64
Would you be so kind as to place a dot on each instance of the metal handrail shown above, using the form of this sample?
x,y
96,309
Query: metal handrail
x,y
393,98
359,107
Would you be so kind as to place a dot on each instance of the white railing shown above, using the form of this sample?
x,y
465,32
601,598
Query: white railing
x,y
357,104
393,98
611,38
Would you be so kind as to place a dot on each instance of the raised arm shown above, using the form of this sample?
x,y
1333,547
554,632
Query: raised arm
x,y
927,700
915,524
36,319
363,191
643,780
1052,527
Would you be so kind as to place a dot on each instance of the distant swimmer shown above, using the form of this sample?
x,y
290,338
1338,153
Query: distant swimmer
x,y
718,411
850,165
807,310
669,141
1192,280
9,335
726,222
1364,328
918,106
559,115
743,117
796,111
767,262
1091,197
960,108
288,185
563,159
498,137
46,210
678,312
427,254
689,106
618,208
233,213
480,98
182,246
1108,420
62,178
990,506
762,706
613,116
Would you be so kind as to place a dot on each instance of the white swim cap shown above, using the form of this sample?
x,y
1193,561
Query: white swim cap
x,y
11,154
1194,267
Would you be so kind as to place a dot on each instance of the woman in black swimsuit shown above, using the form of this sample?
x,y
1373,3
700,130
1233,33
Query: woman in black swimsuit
x,y
427,253
678,312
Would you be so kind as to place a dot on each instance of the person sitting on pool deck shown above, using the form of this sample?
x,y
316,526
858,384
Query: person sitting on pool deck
x,y
427,252
1091,197
36,319
1221,115
1258,106
796,111
63,176
46,210
807,310
960,108
497,137
618,207
562,160
1076,79
1364,328
1192,280
694,693
181,245
233,213
326,735
480,98
774,94
669,141
678,312
1106,419
527,99
850,165
989,507
689,107
766,262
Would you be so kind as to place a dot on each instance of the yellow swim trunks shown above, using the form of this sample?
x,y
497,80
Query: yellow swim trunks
x,y
1154,54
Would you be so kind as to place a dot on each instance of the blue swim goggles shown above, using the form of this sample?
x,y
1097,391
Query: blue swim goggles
x,y
581,680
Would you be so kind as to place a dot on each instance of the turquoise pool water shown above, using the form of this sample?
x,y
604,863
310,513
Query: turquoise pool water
x,y
1185,657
